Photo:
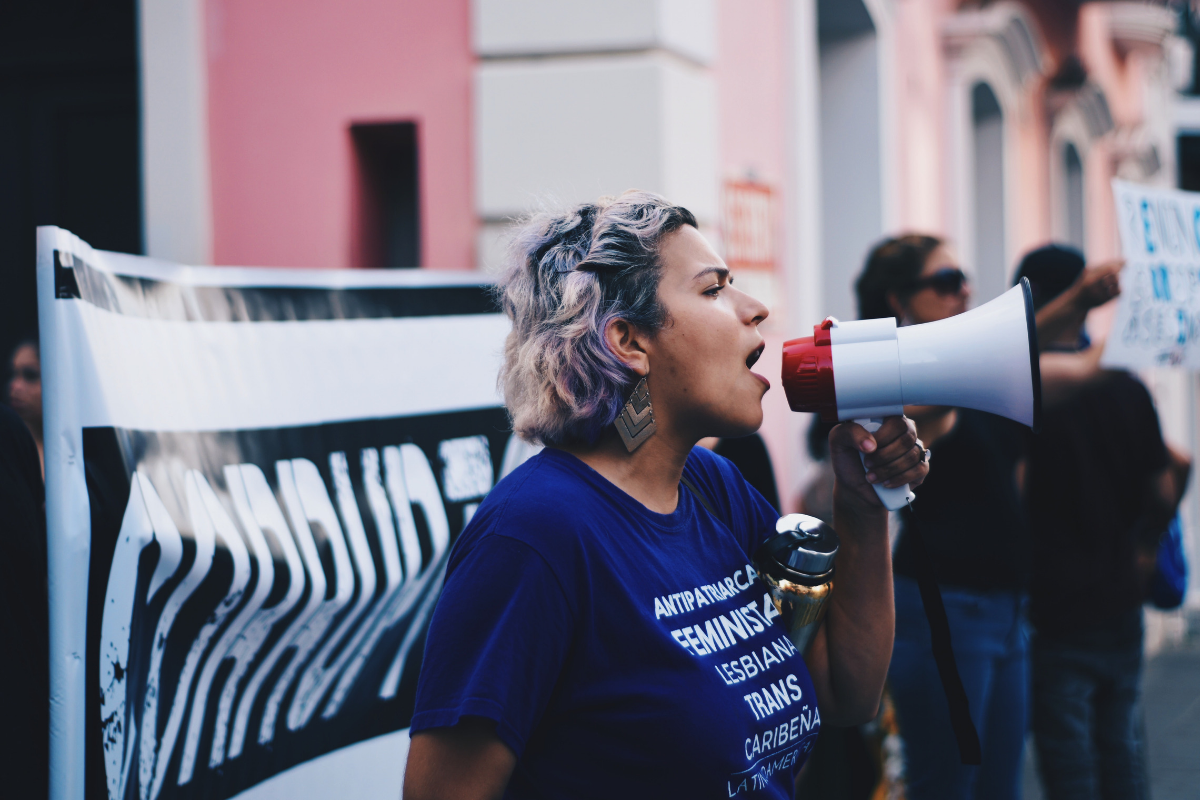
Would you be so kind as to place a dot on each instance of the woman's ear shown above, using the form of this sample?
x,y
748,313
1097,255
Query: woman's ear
x,y
625,342
893,301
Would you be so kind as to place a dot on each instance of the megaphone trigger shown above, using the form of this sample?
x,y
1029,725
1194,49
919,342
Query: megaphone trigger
x,y
893,499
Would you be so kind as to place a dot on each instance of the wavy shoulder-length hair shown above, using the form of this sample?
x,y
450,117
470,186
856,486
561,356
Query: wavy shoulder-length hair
x,y
568,275
893,268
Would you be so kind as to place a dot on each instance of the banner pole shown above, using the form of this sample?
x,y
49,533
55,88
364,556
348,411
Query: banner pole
x,y
68,530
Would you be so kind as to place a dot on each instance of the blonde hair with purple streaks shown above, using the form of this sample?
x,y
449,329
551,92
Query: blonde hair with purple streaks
x,y
569,275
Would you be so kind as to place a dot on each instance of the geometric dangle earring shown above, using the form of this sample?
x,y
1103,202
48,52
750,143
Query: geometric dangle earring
x,y
636,421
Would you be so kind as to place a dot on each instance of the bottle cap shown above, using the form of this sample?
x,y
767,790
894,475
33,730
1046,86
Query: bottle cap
x,y
803,549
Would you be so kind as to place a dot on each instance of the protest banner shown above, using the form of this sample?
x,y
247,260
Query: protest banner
x,y
253,477
1158,316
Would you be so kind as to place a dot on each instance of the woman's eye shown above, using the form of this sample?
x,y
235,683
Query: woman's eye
x,y
714,290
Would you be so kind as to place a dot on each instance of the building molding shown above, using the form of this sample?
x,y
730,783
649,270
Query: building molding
x,y
1140,26
504,29
1008,28
1000,46
1082,119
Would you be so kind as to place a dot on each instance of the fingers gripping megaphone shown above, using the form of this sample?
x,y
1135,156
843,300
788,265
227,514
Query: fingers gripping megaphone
x,y
986,359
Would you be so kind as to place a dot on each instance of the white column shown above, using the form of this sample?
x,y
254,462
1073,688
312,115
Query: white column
x,y
176,194
575,99
883,18
804,228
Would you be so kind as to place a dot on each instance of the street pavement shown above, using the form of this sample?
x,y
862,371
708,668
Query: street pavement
x,y
1171,700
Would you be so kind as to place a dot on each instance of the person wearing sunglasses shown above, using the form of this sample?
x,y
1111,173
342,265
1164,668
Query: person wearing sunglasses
x,y
1098,507
970,519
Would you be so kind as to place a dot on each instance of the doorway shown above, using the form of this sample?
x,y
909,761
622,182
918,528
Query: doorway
x,y
990,257
1073,196
850,149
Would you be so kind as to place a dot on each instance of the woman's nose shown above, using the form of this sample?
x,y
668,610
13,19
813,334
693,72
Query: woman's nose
x,y
755,311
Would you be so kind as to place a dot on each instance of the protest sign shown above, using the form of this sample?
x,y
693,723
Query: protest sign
x,y
254,477
1158,316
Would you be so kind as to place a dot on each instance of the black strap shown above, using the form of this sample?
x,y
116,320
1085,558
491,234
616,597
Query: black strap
x,y
691,487
969,751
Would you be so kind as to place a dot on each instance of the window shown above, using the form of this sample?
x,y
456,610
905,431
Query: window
x,y
851,154
1073,188
988,145
387,216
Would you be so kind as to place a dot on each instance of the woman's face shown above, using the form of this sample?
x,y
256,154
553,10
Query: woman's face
x,y
25,386
700,378
930,304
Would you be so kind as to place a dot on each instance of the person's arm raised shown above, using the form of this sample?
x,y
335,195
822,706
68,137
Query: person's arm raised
x,y
1094,287
466,762
1065,374
848,658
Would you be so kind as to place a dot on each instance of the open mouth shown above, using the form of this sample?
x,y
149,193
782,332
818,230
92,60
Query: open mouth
x,y
754,356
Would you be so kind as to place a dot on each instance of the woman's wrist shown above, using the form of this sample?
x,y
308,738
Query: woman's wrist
x,y
1080,296
848,506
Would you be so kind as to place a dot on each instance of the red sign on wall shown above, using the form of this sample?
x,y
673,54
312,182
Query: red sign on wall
x,y
748,225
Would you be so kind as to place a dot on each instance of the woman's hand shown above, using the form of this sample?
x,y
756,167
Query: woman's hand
x,y
1098,284
894,456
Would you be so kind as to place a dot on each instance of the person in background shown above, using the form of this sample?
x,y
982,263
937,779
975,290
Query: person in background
x,y
970,518
24,391
24,614
969,515
1103,486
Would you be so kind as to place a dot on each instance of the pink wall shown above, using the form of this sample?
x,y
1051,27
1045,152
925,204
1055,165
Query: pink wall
x,y
1122,82
288,77
921,152
751,72
752,77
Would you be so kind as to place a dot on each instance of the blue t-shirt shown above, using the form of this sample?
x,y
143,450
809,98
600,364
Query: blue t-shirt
x,y
622,653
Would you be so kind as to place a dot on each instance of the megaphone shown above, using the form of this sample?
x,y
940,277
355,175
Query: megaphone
x,y
986,359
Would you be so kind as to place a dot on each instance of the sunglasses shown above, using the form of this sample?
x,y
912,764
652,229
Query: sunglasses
x,y
947,281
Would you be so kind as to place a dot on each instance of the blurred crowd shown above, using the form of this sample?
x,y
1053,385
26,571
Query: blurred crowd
x,y
1044,546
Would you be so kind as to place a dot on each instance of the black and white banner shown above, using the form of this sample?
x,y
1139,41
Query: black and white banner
x,y
253,480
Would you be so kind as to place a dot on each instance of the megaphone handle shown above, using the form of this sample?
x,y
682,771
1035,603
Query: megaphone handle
x,y
893,499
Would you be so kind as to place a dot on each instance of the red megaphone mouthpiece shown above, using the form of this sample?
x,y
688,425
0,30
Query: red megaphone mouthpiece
x,y
808,372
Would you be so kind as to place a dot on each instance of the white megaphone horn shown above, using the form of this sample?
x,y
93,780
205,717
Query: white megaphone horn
x,y
986,359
